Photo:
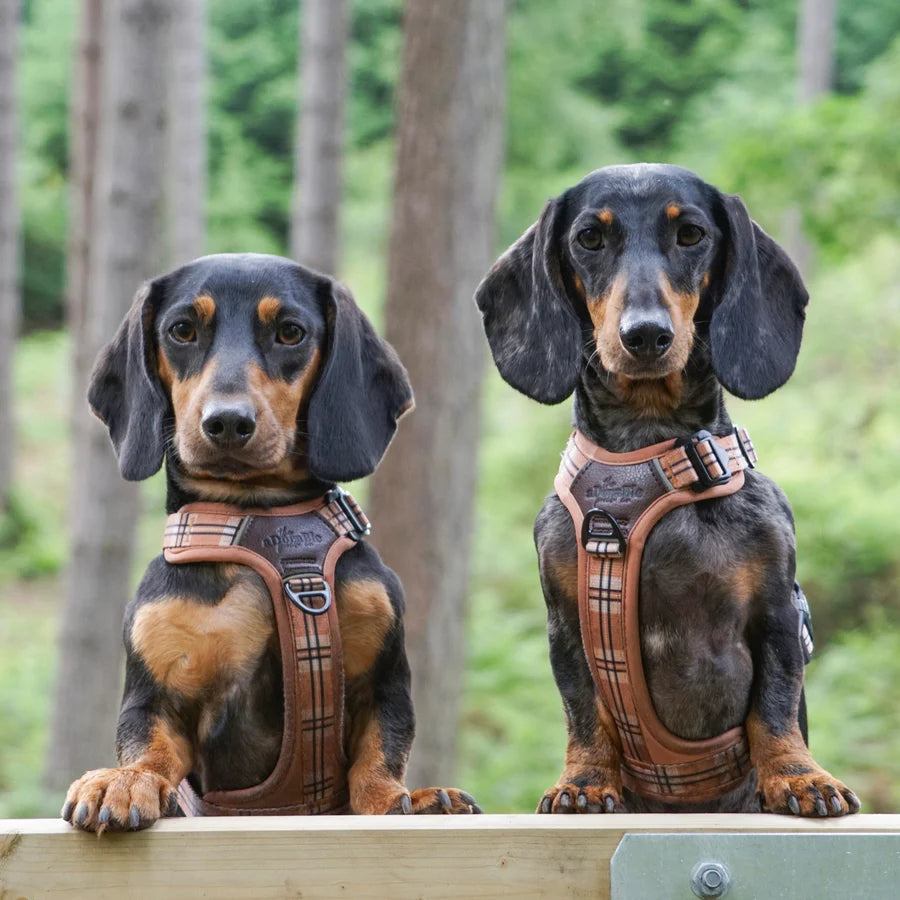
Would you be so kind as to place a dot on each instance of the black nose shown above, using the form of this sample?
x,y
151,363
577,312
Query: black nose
x,y
228,425
647,340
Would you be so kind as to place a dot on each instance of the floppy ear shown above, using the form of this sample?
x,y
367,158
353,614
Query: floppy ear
x,y
361,393
758,321
125,393
533,331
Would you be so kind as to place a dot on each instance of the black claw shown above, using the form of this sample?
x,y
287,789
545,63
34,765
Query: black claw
x,y
444,800
476,808
581,801
66,812
134,817
821,809
564,800
105,813
793,805
836,807
467,798
81,813
852,801
546,805
172,805
405,805
609,804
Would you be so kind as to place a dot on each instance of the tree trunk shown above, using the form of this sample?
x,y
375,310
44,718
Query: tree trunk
x,y
449,151
103,508
815,66
9,235
320,129
186,165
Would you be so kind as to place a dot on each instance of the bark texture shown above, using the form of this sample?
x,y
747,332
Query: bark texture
x,y
450,128
10,235
315,237
123,242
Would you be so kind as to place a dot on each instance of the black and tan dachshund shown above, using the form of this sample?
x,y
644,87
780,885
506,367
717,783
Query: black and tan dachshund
x,y
262,384
645,291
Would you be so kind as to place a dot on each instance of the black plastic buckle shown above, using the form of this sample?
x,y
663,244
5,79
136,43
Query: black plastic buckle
x,y
742,448
297,596
599,525
359,529
704,479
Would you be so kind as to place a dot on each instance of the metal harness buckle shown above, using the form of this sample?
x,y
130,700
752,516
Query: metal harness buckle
x,y
312,585
601,534
704,479
359,527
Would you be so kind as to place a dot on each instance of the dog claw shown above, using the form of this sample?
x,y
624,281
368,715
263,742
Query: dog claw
x,y
105,813
852,801
581,801
405,805
793,805
444,799
546,803
836,805
470,801
821,809
66,811
609,804
81,813
134,817
565,801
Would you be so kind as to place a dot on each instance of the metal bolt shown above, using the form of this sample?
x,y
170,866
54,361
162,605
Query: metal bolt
x,y
710,879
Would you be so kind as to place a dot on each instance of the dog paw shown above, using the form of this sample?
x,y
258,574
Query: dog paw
x,y
126,799
434,802
812,792
572,798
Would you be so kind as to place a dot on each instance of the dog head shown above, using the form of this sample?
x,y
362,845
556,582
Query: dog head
x,y
627,267
251,372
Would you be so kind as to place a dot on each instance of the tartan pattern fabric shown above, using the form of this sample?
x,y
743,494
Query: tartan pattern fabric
x,y
316,779
604,616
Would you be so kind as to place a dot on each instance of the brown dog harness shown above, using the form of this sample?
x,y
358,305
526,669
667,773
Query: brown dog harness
x,y
615,499
295,550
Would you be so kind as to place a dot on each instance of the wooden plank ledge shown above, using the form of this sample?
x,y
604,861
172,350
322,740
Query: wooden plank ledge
x,y
392,856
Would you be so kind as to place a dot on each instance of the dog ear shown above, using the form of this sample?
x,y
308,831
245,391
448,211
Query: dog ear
x,y
361,393
533,331
124,390
757,323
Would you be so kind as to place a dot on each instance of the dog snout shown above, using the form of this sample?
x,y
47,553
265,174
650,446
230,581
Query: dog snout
x,y
647,338
228,424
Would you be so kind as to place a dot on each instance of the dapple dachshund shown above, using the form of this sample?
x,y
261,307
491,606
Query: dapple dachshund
x,y
262,384
645,291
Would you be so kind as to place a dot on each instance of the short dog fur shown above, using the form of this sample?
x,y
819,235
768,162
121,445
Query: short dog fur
x,y
262,384
645,291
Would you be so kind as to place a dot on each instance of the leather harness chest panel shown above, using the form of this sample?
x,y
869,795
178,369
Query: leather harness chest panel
x,y
295,550
615,499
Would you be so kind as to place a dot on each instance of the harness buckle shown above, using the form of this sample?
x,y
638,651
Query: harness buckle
x,y
749,455
299,587
601,534
704,479
359,524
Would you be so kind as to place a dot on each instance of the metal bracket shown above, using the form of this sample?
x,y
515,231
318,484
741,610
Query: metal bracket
x,y
797,866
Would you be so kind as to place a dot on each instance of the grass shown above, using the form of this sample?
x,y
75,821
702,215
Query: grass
x,y
830,439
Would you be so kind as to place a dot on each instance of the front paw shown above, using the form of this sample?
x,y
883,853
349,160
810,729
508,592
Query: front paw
x,y
125,799
566,797
805,790
434,802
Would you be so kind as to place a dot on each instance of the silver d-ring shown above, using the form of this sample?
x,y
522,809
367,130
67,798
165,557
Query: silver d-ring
x,y
297,597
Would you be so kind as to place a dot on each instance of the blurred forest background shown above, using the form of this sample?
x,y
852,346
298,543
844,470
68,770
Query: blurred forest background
x,y
807,129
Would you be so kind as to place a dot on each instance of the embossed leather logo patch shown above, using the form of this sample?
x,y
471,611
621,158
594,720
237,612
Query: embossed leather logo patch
x,y
285,537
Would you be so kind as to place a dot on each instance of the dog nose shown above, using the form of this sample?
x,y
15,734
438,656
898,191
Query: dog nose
x,y
647,340
228,425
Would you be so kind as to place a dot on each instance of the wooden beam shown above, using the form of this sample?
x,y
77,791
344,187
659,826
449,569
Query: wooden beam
x,y
330,857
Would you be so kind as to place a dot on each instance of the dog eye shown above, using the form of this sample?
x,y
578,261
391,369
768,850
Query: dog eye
x,y
183,331
590,238
289,333
688,235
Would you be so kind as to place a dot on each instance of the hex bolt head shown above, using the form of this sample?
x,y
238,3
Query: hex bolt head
x,y
710,879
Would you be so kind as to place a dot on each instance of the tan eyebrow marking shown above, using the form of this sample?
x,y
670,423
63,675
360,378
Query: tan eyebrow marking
x,y
605,216
267,309
673,211
205,307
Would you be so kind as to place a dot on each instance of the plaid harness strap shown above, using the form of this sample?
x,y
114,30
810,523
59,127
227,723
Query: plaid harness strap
x,y
295,550
615,499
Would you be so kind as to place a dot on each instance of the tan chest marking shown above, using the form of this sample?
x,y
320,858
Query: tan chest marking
x,y
365,615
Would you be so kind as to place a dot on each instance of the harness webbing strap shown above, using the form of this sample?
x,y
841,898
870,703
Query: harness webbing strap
x,y
615,499
295,550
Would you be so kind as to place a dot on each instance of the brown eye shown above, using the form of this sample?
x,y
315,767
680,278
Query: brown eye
x,y
590,238
688,235
183,331
289,333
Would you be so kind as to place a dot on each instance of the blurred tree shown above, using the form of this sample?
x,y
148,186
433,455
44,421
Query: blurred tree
x,y
450,114
186,159
127,201
319,141
10,237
